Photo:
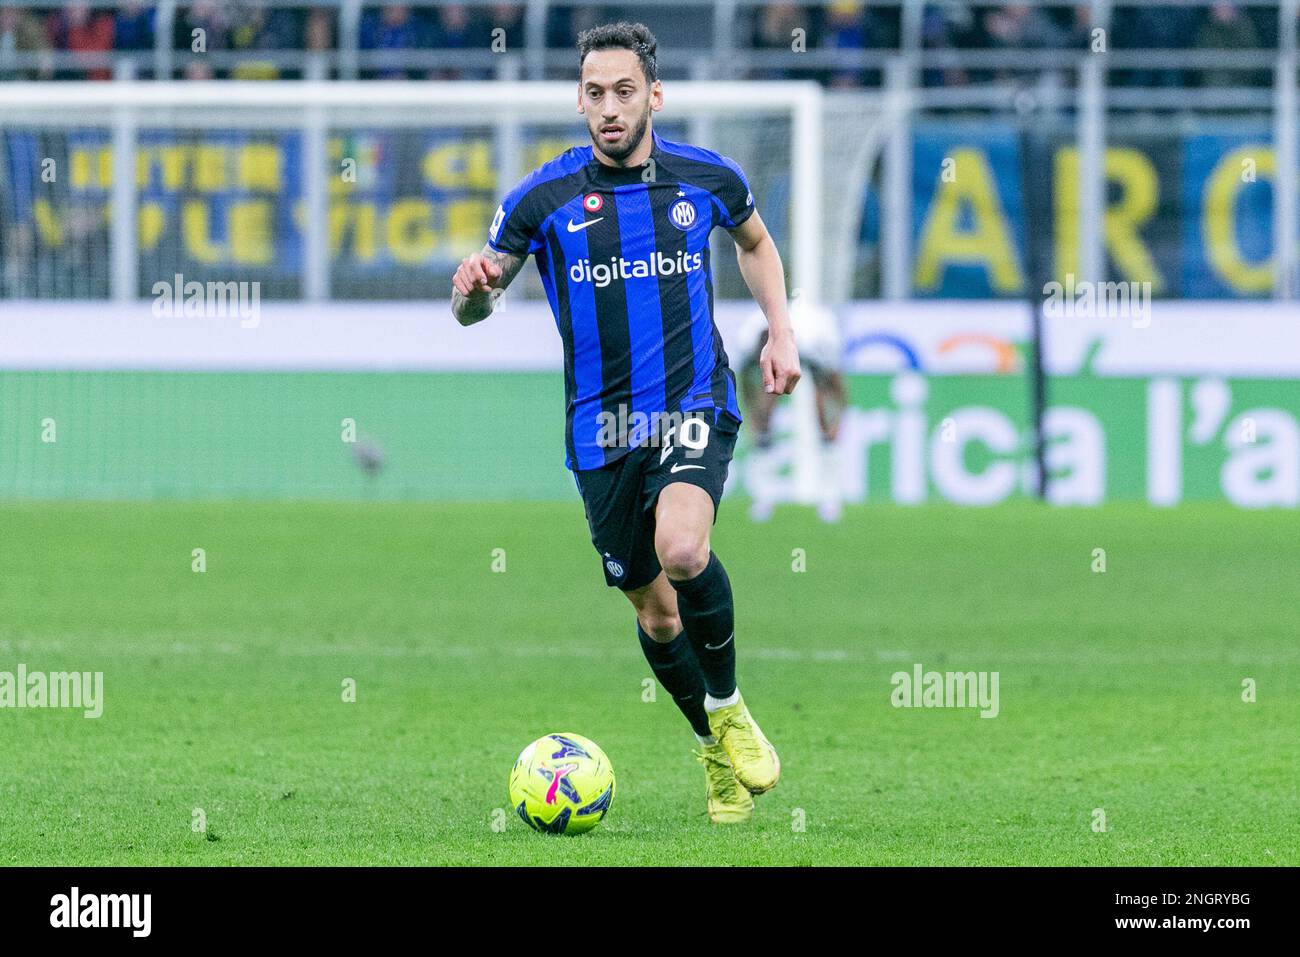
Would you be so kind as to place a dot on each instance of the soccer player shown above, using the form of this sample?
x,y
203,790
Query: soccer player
x,y
817,331
620,232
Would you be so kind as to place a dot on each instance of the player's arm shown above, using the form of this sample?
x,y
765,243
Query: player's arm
x,y
760,265
480,281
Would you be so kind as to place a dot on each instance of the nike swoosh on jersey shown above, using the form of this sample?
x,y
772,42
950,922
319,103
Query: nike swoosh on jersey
x,y
681,468
575,227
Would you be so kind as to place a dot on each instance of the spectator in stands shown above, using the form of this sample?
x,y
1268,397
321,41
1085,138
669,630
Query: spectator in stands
x,y
262,29
133,29
942,28
391,28
850,25
846,29
1153,28
510,18
76,29
1080,25
199,30
456,28
1018,26
21,32
785,27
1228,29
1267,24
319,31
199,69
563,24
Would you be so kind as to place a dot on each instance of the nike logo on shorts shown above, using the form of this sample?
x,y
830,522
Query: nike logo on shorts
x,y
681,468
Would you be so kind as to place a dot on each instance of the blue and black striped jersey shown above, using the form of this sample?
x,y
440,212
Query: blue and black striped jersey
x,y
624,258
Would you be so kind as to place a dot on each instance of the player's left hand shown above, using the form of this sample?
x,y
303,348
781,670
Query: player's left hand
x,y
779,361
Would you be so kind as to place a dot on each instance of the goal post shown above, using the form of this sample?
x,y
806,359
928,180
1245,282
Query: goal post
x,y
774,130
230,183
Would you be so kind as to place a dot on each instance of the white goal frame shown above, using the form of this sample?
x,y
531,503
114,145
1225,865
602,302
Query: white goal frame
x,y
310,105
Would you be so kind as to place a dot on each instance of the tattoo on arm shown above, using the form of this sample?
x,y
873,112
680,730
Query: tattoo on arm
x,y
471,309
510,264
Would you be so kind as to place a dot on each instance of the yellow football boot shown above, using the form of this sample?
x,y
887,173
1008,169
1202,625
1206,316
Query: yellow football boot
x,y
753,759
729,803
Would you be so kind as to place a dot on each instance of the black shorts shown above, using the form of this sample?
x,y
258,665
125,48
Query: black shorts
x,y
620,498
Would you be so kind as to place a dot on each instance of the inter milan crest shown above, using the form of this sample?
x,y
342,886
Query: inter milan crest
x,y
682,214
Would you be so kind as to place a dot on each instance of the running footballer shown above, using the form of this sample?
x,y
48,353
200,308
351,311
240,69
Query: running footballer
x,y
620,232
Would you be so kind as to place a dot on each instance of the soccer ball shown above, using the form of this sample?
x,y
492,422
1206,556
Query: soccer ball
x,y
562,784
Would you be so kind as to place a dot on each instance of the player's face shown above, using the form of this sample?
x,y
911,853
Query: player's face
x,y
617,101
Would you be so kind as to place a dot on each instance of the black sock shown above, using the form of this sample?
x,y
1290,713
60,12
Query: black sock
x,y
674,664
709,617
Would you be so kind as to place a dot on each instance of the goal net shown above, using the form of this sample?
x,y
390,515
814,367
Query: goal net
x,y
336,192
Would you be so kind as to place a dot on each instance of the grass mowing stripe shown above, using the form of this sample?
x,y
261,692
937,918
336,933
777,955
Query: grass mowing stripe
x,y
1119,691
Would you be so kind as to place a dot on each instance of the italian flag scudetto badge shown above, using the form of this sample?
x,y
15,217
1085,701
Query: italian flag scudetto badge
x,y
592,202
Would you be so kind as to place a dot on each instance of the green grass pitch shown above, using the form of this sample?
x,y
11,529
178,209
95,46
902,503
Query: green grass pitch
x,y
1119,691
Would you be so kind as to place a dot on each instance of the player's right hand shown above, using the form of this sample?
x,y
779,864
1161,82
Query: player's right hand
x,y
476,275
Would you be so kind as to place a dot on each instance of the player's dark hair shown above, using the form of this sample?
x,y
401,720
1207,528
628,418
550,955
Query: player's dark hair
x,y
622,36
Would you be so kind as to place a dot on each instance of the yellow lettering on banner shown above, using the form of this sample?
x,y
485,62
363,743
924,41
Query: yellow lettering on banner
x,y
79,169
103,158
250,231
465,219
1121,221
1139,197
209,168
481,173
170,161
361,217
195,232
48,226
410,231
259,167
151,223
987,243
438,165
91,168
173,161
1065,220
460,166
1219,220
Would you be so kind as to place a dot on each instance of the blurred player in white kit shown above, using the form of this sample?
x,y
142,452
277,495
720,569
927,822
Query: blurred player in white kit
x,y
816,332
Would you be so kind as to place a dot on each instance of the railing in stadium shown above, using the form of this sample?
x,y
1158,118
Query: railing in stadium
x,y
707,35
1067,94
99,133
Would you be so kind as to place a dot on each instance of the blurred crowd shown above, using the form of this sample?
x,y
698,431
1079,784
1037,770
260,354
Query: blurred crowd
x,y
249,40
